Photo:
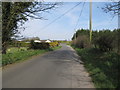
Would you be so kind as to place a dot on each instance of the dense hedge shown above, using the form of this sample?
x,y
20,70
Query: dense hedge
x,y
43,45
102,58
35,45
105,40
19,44
102,67
81,41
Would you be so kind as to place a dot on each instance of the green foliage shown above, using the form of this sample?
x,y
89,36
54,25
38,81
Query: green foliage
x,y
12,14
16,14
63,41
19,12
53,44
102,61
16,49
15,54
19,44
105,40
82,41
81,32
10,58
102,66
43,45
35,45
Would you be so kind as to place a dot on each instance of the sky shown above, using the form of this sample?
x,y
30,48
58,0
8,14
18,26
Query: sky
x,y
64,27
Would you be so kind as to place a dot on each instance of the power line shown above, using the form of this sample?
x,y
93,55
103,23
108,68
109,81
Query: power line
x,y
60,16
79,15
79,19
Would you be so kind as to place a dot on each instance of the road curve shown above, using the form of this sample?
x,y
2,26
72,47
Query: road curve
x,y
56,69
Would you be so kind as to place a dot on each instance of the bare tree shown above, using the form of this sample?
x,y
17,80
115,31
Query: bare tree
x,y
15,14
113,7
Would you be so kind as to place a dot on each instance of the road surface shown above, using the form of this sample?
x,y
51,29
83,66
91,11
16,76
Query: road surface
x,y
56,69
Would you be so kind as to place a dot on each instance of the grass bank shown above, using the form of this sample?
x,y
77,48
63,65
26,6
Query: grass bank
x,y
102,66
19,54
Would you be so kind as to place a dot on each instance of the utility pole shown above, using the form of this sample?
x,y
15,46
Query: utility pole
x,y
118,26
90,21
118,15
75,37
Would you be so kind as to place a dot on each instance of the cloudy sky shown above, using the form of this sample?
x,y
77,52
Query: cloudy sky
x,y
63,28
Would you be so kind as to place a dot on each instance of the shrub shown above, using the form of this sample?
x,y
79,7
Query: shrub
x,y
117,40
35,45
53,44
23,44
73,43
19,44
82,41
105,42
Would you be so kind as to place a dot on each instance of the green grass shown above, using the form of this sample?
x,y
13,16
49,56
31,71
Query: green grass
x,y
55,48
16,49
19,54
102,66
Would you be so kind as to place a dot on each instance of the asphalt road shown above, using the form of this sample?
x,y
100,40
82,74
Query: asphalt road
x,y
57,69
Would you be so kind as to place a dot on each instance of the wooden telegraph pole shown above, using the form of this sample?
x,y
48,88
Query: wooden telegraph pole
x,y
90,21
118,27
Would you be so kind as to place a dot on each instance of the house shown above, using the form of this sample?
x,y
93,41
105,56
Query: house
x,y
38,41
48,41
43,41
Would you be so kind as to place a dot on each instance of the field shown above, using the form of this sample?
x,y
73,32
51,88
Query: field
x,y
15,54
102,66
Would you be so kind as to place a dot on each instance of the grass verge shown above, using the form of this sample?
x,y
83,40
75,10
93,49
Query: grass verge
x,y
102,66
17,55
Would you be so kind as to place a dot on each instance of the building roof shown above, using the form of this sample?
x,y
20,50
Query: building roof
x,y
39,41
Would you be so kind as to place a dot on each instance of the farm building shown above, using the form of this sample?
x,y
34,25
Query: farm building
x,y
43,41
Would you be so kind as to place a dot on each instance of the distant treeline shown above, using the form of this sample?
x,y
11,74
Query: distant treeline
x,y
105,40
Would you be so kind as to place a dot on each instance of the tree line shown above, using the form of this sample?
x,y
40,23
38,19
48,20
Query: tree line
x,y
105,40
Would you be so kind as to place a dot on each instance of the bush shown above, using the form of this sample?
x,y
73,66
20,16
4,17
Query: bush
x,y
103,67
23,44
104,42
35,45
117,40
82,41
53,44
19,44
